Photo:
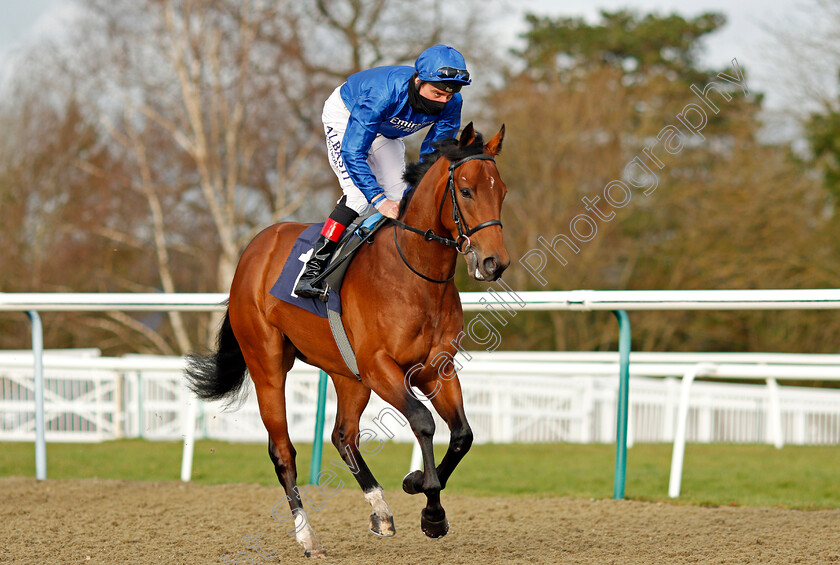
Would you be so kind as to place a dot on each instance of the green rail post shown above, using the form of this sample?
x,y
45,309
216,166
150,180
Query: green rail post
x,y
623,403
318,442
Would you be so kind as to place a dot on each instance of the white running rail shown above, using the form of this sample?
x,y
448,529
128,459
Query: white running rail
x,y
559,396
577,300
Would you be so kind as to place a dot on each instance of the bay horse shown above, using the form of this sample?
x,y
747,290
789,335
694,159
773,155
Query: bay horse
x,y
401,311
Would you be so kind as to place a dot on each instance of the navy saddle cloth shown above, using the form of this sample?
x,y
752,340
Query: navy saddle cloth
x,y
301,250
284,288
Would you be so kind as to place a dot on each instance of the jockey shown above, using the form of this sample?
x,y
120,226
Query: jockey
x,y
364,121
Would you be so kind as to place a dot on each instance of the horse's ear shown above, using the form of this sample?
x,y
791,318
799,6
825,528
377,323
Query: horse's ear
x,y
467,135
494,146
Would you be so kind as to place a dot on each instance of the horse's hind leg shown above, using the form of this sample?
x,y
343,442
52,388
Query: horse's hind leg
x,y
353,396
269,357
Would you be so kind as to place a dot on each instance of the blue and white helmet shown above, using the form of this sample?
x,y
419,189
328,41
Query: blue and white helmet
x,y
444,66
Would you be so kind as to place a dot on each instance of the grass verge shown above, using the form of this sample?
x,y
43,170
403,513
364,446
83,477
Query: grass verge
x,y
714,475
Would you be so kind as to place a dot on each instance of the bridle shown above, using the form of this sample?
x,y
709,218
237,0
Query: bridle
x,y
462,244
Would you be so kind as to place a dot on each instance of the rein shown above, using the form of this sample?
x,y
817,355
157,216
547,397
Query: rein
x,y
462,244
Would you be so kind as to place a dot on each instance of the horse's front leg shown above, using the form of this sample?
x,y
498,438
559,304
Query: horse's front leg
x,y
387,380
448,401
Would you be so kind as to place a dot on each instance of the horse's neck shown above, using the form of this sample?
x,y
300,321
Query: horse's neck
x,y
423,210
431,258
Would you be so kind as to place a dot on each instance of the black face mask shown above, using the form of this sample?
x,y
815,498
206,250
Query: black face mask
x,y
422,104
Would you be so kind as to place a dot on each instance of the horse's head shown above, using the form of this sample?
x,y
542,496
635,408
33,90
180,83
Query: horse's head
x,y
459,196
472,215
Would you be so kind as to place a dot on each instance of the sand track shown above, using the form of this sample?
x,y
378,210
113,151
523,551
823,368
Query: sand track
x,y
109,522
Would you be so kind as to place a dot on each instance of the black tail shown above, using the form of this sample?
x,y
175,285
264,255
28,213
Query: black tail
x,y
220,374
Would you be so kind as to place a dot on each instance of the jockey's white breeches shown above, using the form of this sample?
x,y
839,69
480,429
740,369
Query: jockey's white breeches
x,y
386,157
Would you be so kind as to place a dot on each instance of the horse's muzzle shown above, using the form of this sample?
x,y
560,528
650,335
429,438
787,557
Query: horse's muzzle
x,y
488,269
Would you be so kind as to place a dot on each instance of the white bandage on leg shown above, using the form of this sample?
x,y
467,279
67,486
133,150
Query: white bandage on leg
x,y
376,498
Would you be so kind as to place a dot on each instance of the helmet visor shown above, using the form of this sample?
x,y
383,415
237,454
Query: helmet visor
x,y
450,74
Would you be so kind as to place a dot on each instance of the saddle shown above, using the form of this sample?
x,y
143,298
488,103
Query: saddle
x,y
330,304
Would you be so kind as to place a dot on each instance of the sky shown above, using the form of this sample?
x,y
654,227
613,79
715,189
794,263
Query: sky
x,y
741,37
745,36
21,20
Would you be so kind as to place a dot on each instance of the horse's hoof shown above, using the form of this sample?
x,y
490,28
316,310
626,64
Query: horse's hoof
x,y
316,553
383,527
433,529
412,482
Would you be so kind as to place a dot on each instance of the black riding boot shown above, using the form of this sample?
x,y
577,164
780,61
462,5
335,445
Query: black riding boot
x,y
321,253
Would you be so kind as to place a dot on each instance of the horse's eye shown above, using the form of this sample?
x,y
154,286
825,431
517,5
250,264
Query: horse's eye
x,y
465,193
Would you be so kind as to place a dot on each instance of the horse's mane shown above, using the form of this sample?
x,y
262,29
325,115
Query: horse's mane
x,y
414,172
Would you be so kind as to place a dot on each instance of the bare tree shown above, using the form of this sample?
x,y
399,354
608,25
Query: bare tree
x,y
729,212
804,55
209,113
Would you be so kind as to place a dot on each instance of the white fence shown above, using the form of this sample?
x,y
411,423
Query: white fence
x,y
509,397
